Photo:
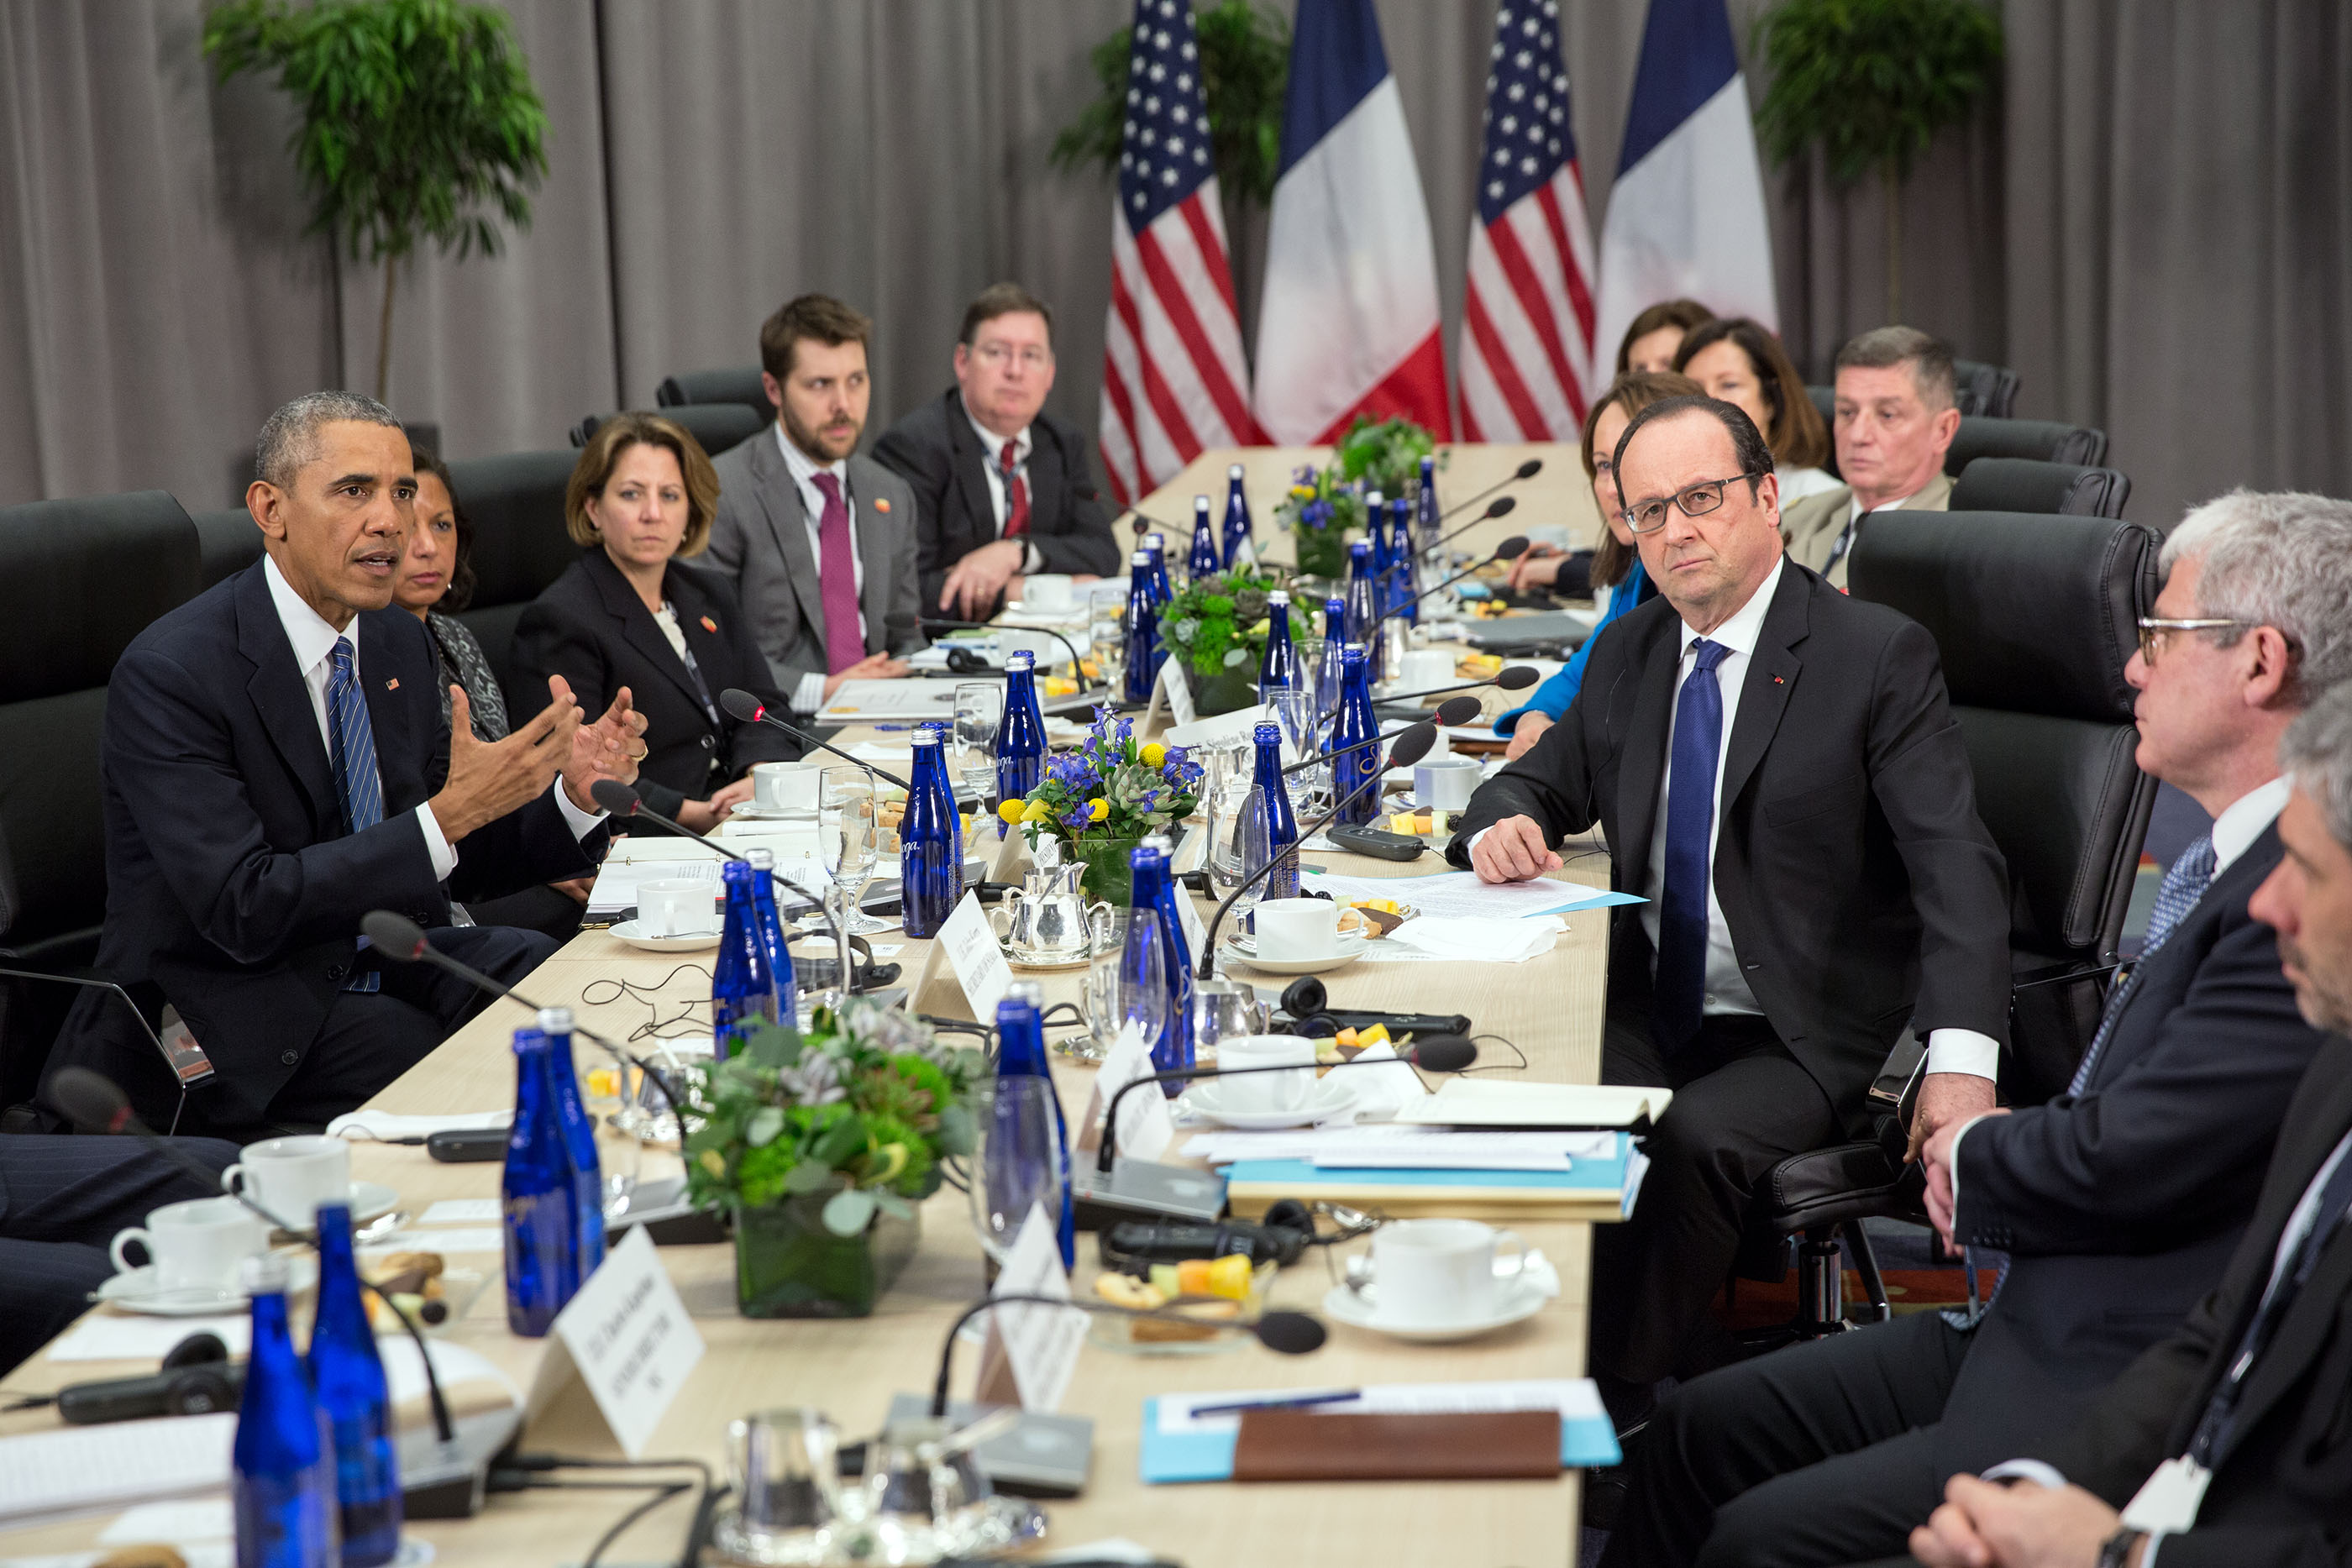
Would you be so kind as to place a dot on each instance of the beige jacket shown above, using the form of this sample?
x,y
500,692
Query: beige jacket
x,y
1811,526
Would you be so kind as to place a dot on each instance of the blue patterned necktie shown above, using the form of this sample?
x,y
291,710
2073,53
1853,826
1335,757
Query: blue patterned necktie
x,y
356,779
1679,994
2178,894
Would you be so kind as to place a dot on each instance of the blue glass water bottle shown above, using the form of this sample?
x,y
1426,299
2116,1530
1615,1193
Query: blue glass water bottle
x,y
1152,888
931,852
1364,606
348,1376
1021,1053
1402,587
1204,562
1142,629
1278,670
742,984
579,1138
1425,503
1335,637
1377,535
1021,738
1162,590
1359,801
772,939
540,1196
1281,821
1239,532
282,1466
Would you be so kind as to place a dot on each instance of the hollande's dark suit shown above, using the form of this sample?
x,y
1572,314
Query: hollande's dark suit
x,y
1860,891
591,628
233,889
2119,1208
942,457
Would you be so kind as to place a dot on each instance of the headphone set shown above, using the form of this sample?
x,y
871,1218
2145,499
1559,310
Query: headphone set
x,y
197,1378
1313,1016
1283,1236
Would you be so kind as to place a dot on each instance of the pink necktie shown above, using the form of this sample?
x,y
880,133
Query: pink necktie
x,y
836,569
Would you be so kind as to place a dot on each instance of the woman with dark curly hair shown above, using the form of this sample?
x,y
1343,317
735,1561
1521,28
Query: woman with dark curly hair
x,y
436,580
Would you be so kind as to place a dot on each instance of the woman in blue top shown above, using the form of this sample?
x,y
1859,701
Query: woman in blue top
x,y
1615,566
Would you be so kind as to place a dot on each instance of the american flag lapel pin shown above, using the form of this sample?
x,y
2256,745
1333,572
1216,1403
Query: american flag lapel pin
x,y
393,684
709,625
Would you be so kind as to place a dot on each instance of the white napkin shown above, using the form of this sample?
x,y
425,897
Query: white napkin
x,y
1483,939
1380,1092
385,1124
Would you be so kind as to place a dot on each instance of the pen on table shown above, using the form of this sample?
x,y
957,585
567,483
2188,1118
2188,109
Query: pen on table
x,y
1300,1402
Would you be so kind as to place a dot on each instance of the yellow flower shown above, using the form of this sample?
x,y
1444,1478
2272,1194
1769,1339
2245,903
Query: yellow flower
x,y
713,1162
1012,809
1037,811
1154,755
1098,808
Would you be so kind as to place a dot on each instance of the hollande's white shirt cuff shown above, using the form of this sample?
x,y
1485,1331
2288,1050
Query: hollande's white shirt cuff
x,y
809,696
1963,1051
2035,1470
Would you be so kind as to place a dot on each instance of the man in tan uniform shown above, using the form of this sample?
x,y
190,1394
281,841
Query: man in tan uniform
x,y
1895,417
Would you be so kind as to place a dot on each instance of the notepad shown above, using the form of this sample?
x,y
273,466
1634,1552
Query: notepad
x,y
92,1470
1178,1446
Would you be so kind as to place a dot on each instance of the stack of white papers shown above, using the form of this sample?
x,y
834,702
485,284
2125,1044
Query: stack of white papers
x,y
1407,1149
87,1470
1476,939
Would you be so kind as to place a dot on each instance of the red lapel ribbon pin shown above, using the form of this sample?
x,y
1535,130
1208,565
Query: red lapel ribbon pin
x,y
881,506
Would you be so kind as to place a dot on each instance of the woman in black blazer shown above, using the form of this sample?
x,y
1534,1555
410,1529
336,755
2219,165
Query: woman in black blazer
x,y
629,612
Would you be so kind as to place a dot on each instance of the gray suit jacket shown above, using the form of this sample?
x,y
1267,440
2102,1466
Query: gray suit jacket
x,y
1811,525
760,542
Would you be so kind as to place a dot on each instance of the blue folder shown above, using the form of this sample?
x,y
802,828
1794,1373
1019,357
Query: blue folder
x,y
1174,1457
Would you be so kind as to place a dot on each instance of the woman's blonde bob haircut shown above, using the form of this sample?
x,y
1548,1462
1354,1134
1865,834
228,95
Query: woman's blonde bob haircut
x,y
602,452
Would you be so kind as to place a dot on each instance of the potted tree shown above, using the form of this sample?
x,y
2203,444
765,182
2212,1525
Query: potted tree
x,y
419,121
1871,82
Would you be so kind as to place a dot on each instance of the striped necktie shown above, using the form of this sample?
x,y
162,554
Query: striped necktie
x,y
356,778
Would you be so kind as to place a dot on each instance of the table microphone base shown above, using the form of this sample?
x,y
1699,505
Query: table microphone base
x,y
1137,1188
1042,1455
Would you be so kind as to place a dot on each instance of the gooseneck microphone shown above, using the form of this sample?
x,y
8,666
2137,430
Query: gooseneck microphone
x,y
899,620
1411,744
1509,550
1518,678
1438,1053
743,707
1503,507
94,1104
1526,470
1286,1334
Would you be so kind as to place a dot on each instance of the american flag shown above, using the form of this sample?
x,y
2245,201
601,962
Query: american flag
x,y
1174,380
1525,357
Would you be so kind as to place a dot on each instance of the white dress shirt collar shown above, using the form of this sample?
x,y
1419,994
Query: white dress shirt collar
x,y
992,444
2242,821
1745,624
804,468
310,632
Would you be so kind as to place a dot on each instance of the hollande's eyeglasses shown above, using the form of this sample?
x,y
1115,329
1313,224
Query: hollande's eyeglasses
x,y
1696,501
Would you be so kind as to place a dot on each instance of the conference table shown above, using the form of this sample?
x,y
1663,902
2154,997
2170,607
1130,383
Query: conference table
x,y
1548,1007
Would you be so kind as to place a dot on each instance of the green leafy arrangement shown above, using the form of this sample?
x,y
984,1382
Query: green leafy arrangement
x,y
1217,622
1244,67
1871,82
863,1107
1383,454
419,121
1109,789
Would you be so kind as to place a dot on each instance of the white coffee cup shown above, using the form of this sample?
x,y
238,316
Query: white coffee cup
x,y
1426,667
1266,1091
1045,594
1293,929
1433,1273
196,1245
292,1176
785,786
1447,783
675,906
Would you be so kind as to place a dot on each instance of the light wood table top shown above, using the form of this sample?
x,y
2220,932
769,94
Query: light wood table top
x,y
1550,1007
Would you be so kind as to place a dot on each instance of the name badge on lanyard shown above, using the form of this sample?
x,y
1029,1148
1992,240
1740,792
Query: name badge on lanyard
x,y
2169,1499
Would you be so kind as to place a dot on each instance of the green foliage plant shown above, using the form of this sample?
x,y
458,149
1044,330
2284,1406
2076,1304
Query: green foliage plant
x,y
1245,65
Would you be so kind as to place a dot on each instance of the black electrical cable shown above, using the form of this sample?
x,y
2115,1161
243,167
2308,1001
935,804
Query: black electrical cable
x,y
597,1553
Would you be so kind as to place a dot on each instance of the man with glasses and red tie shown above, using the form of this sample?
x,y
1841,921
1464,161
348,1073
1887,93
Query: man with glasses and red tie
x,y
1002,488
1780,779
819,542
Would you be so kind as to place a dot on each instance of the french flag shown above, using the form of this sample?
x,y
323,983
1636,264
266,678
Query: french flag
x,y
1686,215
1348,320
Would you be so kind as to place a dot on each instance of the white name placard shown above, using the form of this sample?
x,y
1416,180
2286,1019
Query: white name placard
x,y
628,1336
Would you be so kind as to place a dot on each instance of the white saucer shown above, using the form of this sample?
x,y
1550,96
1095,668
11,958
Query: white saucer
x,y
633,932
1519,1301
137,1291
749,812
1351,946
1331,1096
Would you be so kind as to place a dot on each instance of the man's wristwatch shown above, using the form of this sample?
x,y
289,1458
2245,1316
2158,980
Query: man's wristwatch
x,y
2116,1551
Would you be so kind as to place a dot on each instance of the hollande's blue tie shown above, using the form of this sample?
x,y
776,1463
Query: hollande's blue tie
x,y
1690,829
356,779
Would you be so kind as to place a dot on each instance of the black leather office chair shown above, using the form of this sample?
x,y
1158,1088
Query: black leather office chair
x,y
2035,616
717,425
516,504
1978,388
227,543
739,383
2023,485
79,579
2043,440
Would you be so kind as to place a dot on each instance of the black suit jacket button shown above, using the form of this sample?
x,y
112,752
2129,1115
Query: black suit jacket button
x,y
709,743
290,1058
337,971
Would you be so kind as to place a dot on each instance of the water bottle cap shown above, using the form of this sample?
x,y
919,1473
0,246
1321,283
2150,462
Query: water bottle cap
x,y
1024,661
1234,471
1140,558
1359,546
1276,596
1267,733
1351,654
924,736
1372,497
1155,541
266,1275
760,860
555,1021
1201,504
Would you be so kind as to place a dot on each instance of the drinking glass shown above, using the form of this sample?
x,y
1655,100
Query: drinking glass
x,y
604,1087
1127,981
1019,1161
785,1463
1106,633
848,834
1229,765
1251,847
1222,1011
1307,654
1300,714
979,714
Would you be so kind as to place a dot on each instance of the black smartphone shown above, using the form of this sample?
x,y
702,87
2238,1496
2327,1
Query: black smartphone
x,y
1379,844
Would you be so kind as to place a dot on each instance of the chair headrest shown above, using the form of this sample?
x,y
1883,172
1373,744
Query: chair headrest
x,y
2023,485
715,426
2036,438
515,502
79,579
737,383
2033,613
1982,389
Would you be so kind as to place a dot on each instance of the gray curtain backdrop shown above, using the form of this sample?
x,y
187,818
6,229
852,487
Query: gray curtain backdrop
x,y
2153,224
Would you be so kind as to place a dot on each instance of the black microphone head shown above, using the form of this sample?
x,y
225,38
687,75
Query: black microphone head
x,y
1289,1333
396,937
1512,548
1412,743
1444,1052
1518,678
1502,505
614,796
91,1101
1457,710
1529,469
740,703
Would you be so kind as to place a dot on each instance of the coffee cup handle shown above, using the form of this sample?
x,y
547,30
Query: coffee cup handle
x,y
1000,917
123,1239
230,1177
1518,1251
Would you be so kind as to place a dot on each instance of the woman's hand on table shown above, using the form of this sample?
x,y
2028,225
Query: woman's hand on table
x,y
1524,734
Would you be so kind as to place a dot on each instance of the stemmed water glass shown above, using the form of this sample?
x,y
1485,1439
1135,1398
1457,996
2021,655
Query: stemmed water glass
x,y
1127,984
1019,1161
979,714
848,829
1106,635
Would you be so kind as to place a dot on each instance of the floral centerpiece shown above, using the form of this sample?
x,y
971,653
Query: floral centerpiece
x,y
1216,630
1105,798
1383,454
1320,510
820,1144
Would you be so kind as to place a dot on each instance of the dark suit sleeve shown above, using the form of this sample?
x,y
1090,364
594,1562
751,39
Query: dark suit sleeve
x,y
909,600
172,757
552,639
2175,1146
929,469
1920,777
1086,543
1555,783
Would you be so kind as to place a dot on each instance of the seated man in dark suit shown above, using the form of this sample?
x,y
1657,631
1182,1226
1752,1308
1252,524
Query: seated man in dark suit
x,y
274,766
1779,776
2228,1444
1002,487
2120,1201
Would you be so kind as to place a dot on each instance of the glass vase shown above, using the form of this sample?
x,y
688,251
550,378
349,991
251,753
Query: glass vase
x,y
1108,876
1322,552
788,1265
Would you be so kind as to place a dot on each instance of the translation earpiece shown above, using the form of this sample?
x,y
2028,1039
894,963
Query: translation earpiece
x,y
1305,996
